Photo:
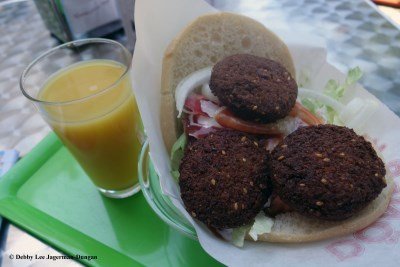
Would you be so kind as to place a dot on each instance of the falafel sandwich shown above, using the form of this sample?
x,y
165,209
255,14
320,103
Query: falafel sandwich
x,y
249,150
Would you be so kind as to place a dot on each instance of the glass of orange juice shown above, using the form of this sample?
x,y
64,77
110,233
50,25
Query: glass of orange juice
x,y
82,89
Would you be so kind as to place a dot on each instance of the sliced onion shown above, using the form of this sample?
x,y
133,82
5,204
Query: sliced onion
x,y
193,104
202,121
199,126
206,91
188,84
358,111
353,108
289,124
207,122
209,108
193,120
200,132
326,100
354,114
273,142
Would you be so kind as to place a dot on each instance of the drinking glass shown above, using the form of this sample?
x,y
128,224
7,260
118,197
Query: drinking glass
x,y
82,89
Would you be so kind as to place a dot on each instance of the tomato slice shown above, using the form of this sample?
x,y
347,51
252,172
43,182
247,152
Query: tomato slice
x,y
208,111
227,119
305,115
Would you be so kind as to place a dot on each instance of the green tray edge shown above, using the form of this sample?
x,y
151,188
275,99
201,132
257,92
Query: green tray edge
x,y
38,223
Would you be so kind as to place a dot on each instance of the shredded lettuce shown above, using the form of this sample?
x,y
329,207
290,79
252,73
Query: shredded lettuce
x,y
353,76
261,225
309,104
238,235
177,155
335,90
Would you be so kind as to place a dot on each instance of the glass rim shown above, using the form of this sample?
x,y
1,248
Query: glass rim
x,y
22,78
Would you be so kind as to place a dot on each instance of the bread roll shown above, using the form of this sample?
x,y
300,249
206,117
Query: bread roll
x,y
203,43
206,41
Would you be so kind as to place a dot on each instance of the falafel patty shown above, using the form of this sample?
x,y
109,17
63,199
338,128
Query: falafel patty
x,y
254,88
224,178
327,171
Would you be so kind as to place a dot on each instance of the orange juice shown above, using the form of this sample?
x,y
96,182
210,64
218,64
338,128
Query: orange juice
x,y
97,119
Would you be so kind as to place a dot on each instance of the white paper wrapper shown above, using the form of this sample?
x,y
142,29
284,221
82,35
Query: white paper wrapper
x,y
157,23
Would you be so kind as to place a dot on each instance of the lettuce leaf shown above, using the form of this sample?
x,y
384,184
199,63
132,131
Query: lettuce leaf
x,y
353,76
238,235
335,90
177,155
261,225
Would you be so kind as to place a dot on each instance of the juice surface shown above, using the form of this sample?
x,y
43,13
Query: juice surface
x,y
101,124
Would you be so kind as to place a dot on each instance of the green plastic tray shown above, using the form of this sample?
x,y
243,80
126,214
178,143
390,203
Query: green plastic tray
x,y
48,195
